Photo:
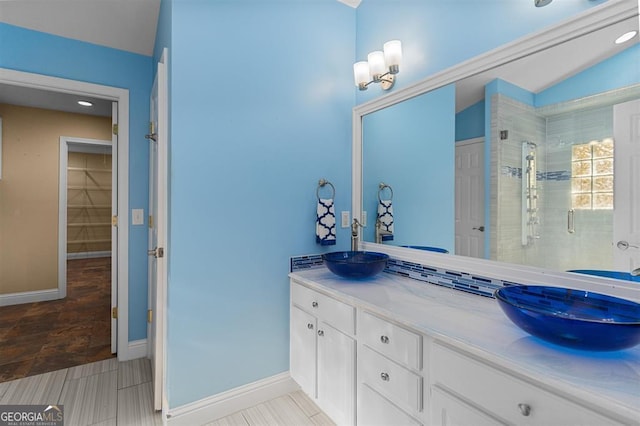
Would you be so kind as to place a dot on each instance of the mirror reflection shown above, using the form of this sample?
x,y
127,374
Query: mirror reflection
x,y
540,172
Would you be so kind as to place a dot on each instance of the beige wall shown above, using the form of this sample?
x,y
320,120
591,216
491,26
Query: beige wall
x,y
29,192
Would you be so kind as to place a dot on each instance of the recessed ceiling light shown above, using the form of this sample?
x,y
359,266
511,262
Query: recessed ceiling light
x,y
85,103
626,37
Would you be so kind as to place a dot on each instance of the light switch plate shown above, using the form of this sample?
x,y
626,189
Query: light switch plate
x,y
345,219
137,216
364,218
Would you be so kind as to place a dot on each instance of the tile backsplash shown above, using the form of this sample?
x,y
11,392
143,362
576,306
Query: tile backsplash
x,y
462,281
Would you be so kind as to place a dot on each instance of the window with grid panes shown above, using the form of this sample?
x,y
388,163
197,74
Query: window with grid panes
x,y
592,175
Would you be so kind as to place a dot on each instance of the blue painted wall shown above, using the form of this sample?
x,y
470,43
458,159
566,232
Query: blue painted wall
x,y
260,111
40,53
618,71
414,135
436,35
470,122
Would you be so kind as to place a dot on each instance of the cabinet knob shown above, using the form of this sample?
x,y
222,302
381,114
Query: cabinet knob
x,y
384,376
384,339
525,409
310,326
320,333
314,304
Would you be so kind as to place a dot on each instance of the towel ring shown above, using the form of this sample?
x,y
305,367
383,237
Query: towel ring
x,y
382,186
321,184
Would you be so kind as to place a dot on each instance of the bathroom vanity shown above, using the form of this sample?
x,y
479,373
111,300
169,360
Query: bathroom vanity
x,y
395,351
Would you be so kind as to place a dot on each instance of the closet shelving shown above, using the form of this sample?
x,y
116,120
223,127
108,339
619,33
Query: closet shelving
x,y
88,203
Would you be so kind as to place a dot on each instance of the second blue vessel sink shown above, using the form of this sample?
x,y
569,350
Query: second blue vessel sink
x,y
355,264
574,318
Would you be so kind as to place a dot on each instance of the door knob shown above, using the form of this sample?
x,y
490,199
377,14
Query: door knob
x,y
156,252
479,228
623,245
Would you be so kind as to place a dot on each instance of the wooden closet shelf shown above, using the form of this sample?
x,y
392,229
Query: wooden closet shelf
x,y
94,206
76,225
88,170
89,241
84,188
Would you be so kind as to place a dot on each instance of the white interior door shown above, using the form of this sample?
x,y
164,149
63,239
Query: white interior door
x,y
114,227
470,198
626,216
158,162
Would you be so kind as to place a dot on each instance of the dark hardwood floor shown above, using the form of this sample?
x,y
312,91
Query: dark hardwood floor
x,y
45,336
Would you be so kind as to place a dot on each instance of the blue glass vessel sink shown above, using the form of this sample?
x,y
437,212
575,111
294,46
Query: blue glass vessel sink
x,y
574,318
608,274
428,248
355,264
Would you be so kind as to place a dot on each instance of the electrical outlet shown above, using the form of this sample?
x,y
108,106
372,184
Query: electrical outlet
x,y
345,219
137,216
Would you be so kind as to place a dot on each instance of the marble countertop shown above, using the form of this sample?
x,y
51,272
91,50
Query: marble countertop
x,y
476,324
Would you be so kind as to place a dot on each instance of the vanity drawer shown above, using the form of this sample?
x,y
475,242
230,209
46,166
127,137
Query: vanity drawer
x,y
395,382
332,311
375,410
504,396
396,342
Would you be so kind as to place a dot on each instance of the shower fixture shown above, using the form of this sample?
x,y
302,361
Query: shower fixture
x,y
541,3
529,193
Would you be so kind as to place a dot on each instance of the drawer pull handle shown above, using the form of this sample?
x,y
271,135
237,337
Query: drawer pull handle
x,y
384,376
320,333
525,409
314,304
310,326
384,339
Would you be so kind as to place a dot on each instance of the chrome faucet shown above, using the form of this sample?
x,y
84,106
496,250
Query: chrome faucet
x,y
635,272
380,232
354,234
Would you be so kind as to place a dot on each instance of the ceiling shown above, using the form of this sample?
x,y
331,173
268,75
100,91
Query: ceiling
x,y
131,25
120,24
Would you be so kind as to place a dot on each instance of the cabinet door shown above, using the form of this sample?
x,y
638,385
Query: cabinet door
x,y
447,410
303,350
375,410
336,374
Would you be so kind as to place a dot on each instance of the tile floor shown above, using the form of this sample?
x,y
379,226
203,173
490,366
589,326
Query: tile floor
x,y
104,393
39,337
112,393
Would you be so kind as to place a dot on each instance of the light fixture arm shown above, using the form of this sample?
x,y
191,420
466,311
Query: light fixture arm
x,y
386,80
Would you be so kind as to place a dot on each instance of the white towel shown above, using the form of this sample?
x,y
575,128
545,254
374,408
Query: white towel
x,y
325,222
385,217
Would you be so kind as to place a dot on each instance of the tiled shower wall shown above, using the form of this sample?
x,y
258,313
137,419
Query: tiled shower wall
x,y
554,133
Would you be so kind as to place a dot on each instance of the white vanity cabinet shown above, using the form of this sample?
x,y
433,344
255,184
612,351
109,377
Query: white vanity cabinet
x,y
390,383
323,351
466,390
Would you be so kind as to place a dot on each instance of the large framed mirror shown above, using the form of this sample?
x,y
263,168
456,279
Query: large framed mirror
x,y
508,161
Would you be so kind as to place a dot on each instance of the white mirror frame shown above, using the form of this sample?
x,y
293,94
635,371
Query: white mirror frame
x,y
595,18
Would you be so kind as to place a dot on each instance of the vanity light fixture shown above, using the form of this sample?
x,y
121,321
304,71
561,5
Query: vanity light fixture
x,y
85,103
626,37
380,66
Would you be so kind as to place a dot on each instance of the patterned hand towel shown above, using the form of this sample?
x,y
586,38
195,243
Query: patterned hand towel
x,y
385,216
326,222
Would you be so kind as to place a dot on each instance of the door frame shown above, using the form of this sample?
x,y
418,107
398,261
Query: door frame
x,y
89,146
121,96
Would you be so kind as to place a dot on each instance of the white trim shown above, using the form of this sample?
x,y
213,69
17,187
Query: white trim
x,y
0,148
65,141
24,79
88,255
29,297
597,17
135,349
226,403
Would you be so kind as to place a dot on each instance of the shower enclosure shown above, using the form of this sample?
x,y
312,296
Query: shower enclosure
x,y
552,183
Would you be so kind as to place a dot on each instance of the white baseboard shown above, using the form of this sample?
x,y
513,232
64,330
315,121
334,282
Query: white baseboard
x,y
89,254
29,297
135,349
231,401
